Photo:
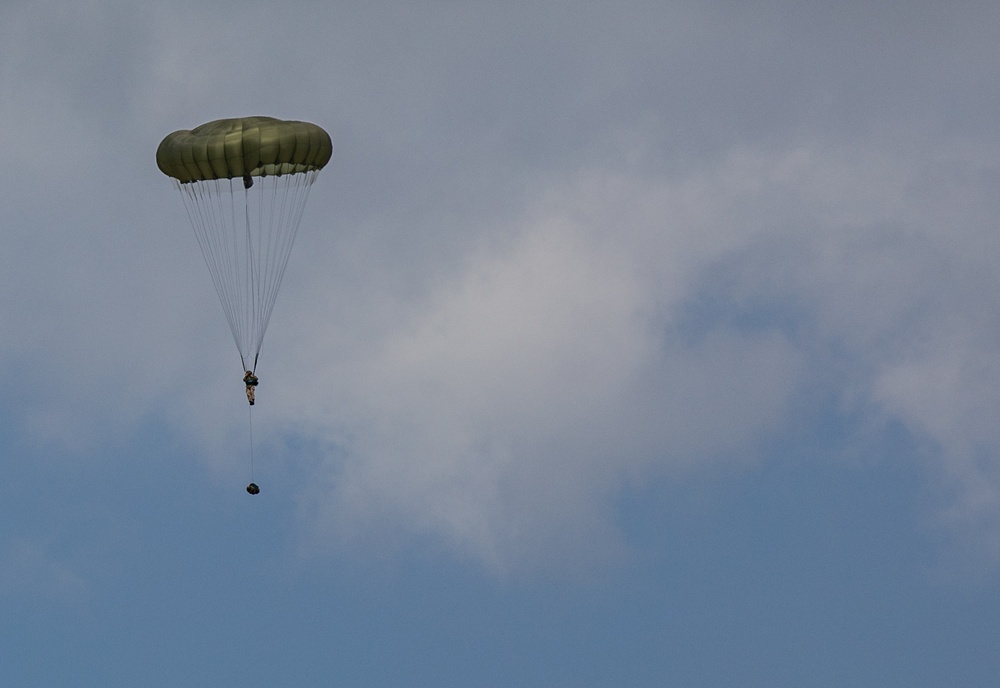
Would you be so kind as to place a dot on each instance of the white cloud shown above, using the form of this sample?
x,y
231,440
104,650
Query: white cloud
x,y
508,408
945,388
504,406
500,317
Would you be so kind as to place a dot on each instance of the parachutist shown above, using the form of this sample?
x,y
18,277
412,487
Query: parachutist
x,y
247,181
251,382
253,489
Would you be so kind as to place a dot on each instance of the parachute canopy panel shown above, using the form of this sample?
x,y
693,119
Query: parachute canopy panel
x,y
242,147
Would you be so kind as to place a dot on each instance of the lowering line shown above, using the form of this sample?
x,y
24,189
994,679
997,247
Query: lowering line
x,y
252,488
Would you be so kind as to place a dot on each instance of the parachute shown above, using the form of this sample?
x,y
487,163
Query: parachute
x,y
245,183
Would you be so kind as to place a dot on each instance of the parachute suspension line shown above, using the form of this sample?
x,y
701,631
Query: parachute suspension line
x,y
252,267
247,249
213,228
287,202
227,240
267,228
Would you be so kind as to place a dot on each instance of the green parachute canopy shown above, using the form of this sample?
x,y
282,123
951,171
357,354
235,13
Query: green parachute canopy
x,y
245,229
243,147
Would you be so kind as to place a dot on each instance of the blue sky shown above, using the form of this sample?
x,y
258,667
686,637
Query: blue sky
x,y
629,344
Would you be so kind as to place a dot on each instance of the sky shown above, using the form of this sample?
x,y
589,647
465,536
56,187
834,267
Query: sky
x,y
622,344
